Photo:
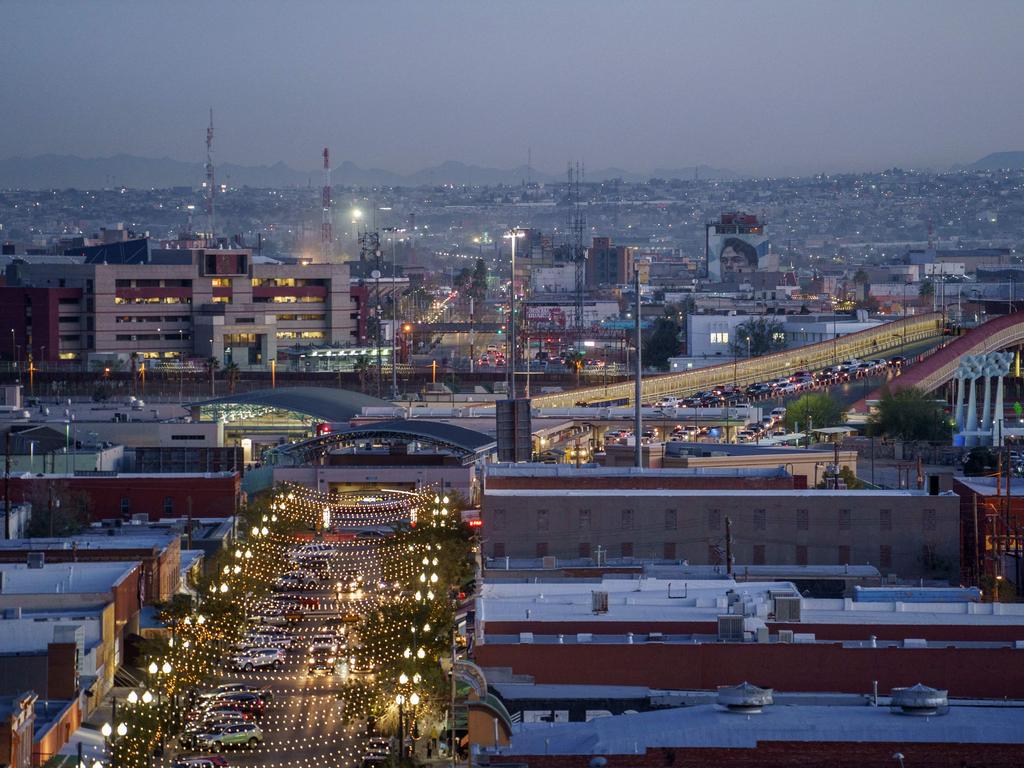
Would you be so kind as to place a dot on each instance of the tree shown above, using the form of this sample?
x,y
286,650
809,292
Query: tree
x,y
662,344
860,277
981,461
927,289
574,361
766,335
362,367
478,281
910,415
212,364
231,373
814,410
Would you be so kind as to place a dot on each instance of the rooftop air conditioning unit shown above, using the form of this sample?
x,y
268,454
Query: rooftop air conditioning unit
x,y
730,629
785,635
36,560
599,602
787,608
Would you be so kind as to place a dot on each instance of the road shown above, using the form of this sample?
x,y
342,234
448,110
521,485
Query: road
x,y
303,726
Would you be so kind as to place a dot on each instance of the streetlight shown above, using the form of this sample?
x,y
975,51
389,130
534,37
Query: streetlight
x,y
513,235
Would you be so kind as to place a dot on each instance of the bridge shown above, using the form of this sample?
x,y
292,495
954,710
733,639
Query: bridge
x,y
941,366
888,338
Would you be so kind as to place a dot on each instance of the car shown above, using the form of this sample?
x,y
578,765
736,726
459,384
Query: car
x,y
321,661
218,715
257,659
200,761
779,413
190,736
241,735
263,640
262,691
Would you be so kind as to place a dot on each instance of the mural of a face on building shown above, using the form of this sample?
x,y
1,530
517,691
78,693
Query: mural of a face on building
x,y
737,256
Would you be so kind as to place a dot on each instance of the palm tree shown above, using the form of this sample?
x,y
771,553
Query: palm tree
x,y
212,364
231,373
574,359
362,368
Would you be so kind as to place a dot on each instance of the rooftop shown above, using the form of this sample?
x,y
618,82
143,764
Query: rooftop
x,y
569,471
123,537
660,600
707,725
817,493
62,578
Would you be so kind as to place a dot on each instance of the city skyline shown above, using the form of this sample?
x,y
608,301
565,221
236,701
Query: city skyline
x,y
796,89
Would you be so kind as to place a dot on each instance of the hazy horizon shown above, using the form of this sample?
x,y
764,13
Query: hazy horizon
x,y
787,88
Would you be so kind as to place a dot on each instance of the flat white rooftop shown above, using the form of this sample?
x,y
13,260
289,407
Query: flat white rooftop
x,y
662,600
62,578
708,725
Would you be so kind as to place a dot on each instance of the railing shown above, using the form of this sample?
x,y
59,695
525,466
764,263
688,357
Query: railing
x,y
870,343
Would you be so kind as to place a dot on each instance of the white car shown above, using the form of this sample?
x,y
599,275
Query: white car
x,y
258,658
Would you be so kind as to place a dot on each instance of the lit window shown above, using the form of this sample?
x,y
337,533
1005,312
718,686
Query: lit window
x,y
720,337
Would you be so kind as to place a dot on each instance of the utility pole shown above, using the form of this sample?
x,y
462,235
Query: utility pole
x,y
638,453
728,546
326,236
210,183
8,520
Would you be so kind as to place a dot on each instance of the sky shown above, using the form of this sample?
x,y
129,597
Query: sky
x,y
766,88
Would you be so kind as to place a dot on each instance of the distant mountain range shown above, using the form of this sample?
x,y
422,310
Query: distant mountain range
x,y
71,171
998,160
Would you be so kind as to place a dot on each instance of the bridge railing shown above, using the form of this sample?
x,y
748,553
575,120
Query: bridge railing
x,y
869,343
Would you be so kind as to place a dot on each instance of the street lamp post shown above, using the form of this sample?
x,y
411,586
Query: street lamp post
x,y
400,701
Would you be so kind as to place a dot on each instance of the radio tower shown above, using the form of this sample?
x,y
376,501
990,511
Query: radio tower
x,y
578,252
325,221
210,184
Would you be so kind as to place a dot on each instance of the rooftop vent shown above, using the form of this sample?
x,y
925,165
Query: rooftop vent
x,y
730,629
744,698
919,700
36,560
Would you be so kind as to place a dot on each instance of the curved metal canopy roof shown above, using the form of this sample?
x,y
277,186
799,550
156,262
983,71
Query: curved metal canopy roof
x,y
466,442
323,403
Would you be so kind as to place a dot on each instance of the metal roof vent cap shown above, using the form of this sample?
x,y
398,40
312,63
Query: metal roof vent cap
x,y
919,700
745,698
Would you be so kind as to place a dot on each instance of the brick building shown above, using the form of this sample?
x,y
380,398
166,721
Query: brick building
x,y
908,533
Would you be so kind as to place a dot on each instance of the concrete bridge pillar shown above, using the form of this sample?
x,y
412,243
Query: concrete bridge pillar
x,y
986,408
958,414
972,413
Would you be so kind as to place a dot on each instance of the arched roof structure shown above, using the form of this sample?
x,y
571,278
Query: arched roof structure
x,y
321,403
468,444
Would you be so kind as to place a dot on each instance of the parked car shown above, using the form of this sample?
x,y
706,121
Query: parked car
x,y
258,658
200,761
242,735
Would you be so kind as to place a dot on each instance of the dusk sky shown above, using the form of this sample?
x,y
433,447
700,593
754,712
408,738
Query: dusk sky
x,y
759,87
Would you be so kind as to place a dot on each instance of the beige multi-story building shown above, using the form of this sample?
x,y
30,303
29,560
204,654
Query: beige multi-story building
x,y
171,304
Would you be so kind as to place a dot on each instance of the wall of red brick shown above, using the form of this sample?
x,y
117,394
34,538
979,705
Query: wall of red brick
x,y
966,672
652,482
950,632
211,496
815,754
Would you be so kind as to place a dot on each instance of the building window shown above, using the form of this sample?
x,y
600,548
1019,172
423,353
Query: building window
x,y
719,337
929,520
627,549
844,554
885,519
760,520
542,549
759,554
714,519
670,520
803,520
844,519
801,554
669,552
584,549
126,505
498,549
542,519
584,520
168,506
885,556
627,519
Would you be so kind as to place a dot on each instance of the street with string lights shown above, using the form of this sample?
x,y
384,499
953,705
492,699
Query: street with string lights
x,y
323,638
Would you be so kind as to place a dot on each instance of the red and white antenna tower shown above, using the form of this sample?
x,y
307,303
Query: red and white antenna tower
x,y
326,237
210,181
